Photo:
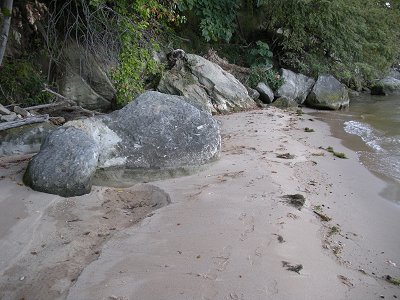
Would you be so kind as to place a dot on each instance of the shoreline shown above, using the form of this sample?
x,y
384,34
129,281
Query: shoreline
x,y
229,234
356,144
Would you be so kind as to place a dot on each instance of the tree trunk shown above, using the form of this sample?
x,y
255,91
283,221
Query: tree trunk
x,y
6,10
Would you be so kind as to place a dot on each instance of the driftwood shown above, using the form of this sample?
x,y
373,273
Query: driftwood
x,y
22,122
50,105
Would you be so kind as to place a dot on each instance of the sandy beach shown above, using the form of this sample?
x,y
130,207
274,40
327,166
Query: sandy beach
x,y
228,231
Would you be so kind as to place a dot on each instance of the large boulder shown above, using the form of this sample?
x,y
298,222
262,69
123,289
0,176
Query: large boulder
x,y
390,85
328,93
295,86
201,79
65,164
155,131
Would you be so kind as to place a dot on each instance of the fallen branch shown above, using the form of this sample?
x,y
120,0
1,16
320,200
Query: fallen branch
x,y
46,89
50,105
22,122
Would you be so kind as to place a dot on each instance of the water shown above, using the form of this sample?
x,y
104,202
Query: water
x,y
376,120
371,127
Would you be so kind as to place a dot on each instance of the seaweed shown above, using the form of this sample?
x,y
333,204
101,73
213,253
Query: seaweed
x,y
293,268
296,200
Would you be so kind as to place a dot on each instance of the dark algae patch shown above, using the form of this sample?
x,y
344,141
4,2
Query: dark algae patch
x,y
292,268
285,156
392,280
296,200
337,154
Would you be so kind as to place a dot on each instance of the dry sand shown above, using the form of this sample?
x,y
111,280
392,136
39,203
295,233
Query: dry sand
x,y
227,234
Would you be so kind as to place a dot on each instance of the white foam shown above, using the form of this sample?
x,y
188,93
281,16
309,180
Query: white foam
x,y
367,133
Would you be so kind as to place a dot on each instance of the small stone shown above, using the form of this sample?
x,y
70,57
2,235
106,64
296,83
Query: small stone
x,y
4,111
8,118
21,111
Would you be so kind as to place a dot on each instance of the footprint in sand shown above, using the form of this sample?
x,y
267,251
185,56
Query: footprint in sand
x,y
248,222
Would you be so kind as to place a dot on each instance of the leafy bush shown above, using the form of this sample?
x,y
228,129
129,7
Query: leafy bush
x,y
352,39
22,82
260,55
217,17
140,22
262,74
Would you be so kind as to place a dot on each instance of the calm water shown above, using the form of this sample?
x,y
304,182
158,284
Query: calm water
x,y
375,121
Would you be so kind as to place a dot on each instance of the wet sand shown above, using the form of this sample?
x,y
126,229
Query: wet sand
x,y
228,232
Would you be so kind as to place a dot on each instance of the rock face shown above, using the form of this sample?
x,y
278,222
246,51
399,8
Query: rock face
x,y
266,94
24,140
65,164
85,79
155,131
328,93
198,78
295,87
390,85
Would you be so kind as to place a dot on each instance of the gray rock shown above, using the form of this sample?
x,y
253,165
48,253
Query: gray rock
x,y
295,86
21,111
65,164
386,86
394,73
266,94
85,78
74,87
25,139
4,111
160,131
328,93
8,118
155,131
198,78
284,102
254,94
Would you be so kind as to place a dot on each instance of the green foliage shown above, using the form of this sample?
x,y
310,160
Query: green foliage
x,y
352,39
217,17
135,65
262,74
22,82
260,55
139,24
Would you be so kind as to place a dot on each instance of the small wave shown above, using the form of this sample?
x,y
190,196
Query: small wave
x,y
367,133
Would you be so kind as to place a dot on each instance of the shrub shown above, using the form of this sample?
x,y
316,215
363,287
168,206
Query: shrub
x,y
22,82
262,74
